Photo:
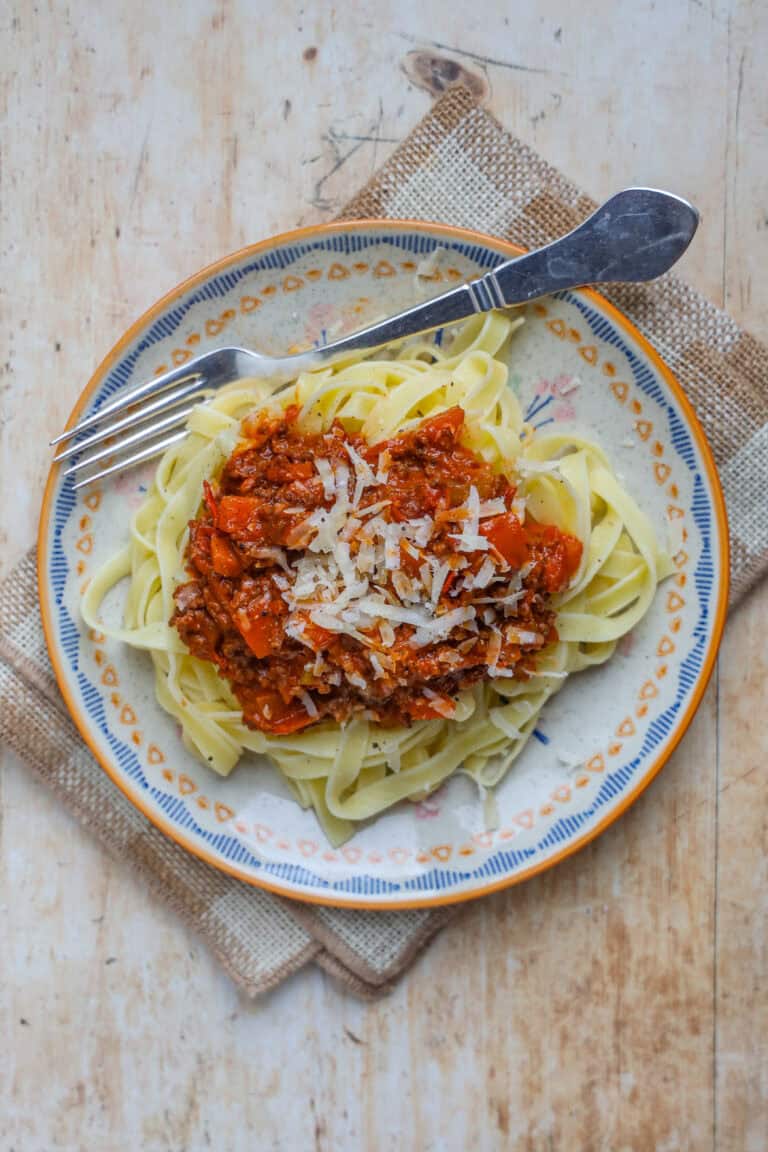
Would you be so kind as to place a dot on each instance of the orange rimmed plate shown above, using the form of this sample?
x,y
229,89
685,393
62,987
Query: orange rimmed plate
x,y
576,363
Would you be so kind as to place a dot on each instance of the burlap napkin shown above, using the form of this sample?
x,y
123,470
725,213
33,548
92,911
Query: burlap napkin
x,y
460,167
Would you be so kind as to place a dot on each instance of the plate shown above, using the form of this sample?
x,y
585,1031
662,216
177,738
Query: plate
x,y
576,363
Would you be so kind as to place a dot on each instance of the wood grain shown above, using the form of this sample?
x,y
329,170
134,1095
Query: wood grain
x,y
618,1002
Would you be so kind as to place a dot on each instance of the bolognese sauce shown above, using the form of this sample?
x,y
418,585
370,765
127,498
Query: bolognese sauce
x,y
328,576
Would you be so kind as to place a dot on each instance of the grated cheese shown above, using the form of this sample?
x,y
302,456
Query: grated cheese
x,y
441,626
387,633
274,555
443,706
486,573
429,265
521,636
385,460
439,577
470,542
309,704
325,472
571,386
494,648
491,508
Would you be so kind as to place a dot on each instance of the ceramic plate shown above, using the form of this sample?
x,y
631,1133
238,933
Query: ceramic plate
x,y
576,363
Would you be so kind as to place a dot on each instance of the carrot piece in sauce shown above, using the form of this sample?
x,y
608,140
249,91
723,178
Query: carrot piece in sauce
x,y
262,633
238,515
223,556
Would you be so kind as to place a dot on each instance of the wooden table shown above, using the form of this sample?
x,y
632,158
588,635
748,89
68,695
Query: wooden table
x,y
617,1002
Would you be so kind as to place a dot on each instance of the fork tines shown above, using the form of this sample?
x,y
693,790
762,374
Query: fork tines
x,y
149,420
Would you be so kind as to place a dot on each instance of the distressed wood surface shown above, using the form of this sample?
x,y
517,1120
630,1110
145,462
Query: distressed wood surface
x,y
617,1002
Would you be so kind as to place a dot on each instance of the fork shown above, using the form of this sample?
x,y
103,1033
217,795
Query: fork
x,y
636,235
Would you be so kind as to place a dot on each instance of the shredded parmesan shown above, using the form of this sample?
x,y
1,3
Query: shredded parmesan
x,y
571,386
382,473
486,573
439,577
441,626
325,472
494,648
491,508
427,267
522,636
274,555
364,477
471,542
387,633
309,704
441,704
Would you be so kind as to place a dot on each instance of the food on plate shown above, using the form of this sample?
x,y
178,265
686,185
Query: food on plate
x,y
379,575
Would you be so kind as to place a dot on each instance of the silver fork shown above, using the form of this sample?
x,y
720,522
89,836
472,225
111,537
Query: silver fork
x,y
636,235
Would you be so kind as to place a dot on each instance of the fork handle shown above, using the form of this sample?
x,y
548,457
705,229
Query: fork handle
x,y
636,235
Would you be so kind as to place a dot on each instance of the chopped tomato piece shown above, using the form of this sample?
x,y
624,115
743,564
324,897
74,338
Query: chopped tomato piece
x,y
301,470
224,559
508,537
262,633
239,514
274,715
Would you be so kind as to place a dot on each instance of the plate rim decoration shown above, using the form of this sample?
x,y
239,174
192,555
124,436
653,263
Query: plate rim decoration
x,y
386,901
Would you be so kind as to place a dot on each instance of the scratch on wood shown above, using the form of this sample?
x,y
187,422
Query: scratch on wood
x,y
319,1126
365,139
142,163
317,199
739,90
376,132
335,139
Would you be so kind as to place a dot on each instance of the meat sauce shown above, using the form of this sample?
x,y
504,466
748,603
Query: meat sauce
x,y
252,527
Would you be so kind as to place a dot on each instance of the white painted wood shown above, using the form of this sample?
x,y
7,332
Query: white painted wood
x,y
613,1003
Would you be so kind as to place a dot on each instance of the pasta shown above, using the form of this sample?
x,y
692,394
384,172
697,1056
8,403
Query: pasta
x,y
353,770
